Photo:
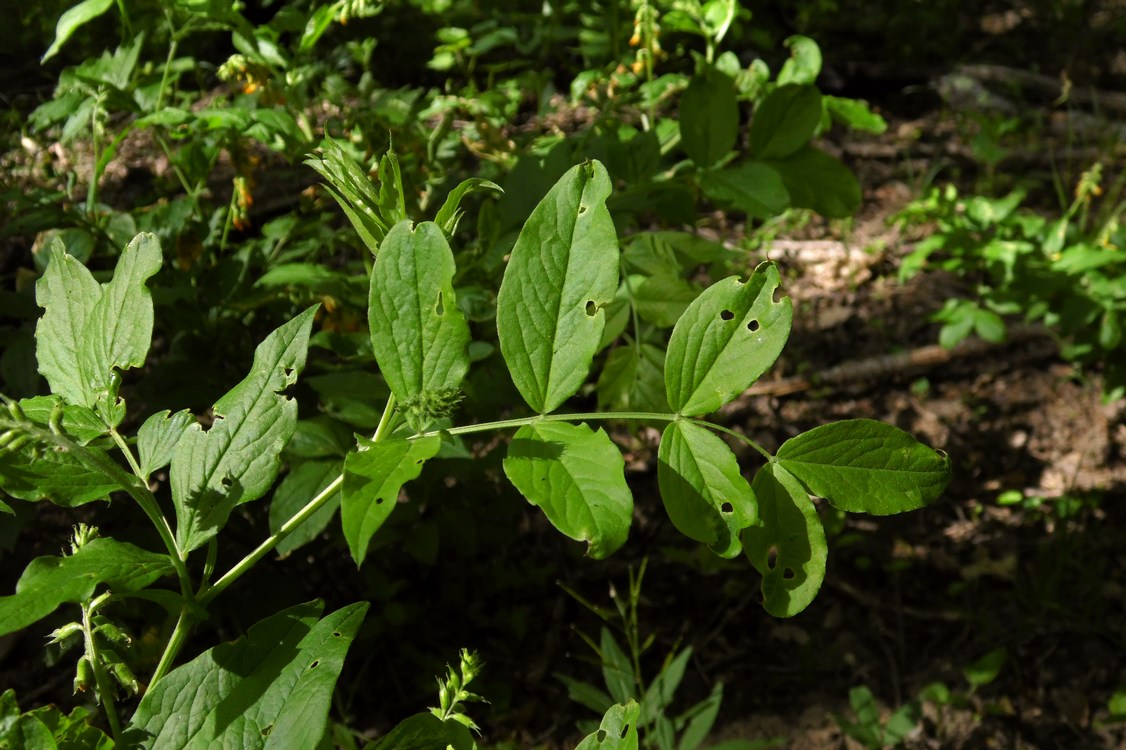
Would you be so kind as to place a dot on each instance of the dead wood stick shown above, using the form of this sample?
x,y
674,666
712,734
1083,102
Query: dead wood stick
x,y
884,366
1046,85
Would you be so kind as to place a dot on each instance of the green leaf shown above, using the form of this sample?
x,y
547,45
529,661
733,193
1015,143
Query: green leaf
x,y
418,333
372,480
71,20
985,670
855,114
49,582
804,64
349,185
238,457
618,730
785,121
32,473
89,330
704,494
562,272
450,213
662,690
617,670
271,688
700,719
752,187
158,436
304,481
725,340
820,182
577,477
866,466
788,549
392,203
426,731
663,298
709,117
633,379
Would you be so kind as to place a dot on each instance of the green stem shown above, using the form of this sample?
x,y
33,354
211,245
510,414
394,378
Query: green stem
x,y
737,435
175,643
101,679
128,453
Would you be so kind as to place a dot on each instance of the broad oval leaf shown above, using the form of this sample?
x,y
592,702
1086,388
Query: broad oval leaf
x,y
67,292
577,477
238,457
788,547
820,182
50,581
418,333
752,187
157,438
706,497
785,121
62,477
372,480
562,273
426,731
804,64
725,340
709,117
866,466
272,688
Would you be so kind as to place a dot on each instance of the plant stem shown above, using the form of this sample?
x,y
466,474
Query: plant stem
x,y
128,453
101,679
175,643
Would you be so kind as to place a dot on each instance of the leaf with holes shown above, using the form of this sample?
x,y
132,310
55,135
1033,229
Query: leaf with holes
x,y
789,547
89,330
372,480
706,497
50,581
237,459
577,477
418,334
272,688
618,730
562,273
865,466
725,340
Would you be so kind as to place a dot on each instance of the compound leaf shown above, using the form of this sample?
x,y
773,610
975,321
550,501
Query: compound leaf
x,y
50,581
418,333
372,480
788,549
725,340
866,466
352,189
562,273
271,689
577,477
237,458
704,494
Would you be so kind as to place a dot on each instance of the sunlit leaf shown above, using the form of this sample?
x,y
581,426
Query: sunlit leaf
x,y
272,688
372,480
866,466
50,581
158,436
562,273
237,459
72,20
577,477
788,547
726,339
704,494
450,213
618,730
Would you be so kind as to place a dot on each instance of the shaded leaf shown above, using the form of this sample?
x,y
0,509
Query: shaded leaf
x,y
304,481
785,121
663,298
820,182
726,339
633,379
562,272
706,497
577,477
752,187
426,731
709,117
866,466
788,548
